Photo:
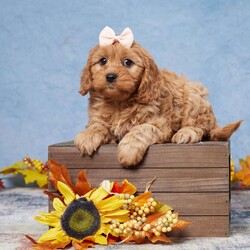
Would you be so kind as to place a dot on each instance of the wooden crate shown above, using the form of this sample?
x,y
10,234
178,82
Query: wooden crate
x,y
192,178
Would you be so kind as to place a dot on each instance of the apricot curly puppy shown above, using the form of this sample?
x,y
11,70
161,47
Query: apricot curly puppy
x,y
137,104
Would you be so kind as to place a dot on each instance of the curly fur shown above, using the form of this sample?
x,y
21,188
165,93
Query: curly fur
x,y
144,106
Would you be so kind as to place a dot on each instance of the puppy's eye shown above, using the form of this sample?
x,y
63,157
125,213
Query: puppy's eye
x,y
103,61
127,62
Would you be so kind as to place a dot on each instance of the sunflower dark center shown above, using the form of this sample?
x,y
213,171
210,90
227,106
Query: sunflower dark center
x,y
80,219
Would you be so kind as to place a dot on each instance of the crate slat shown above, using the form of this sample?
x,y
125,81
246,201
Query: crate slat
x,y
199,155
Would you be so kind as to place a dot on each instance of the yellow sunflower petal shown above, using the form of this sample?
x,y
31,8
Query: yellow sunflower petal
x,y
53,235
105,220
66,191
109,204
58,205
128,187
88,195
47,219
99,194
104,229
100,239
119,217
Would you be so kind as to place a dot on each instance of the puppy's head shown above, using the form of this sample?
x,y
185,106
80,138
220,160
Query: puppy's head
x,y
120,73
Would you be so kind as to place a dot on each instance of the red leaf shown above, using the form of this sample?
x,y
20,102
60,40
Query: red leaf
x,y
117,188
1,184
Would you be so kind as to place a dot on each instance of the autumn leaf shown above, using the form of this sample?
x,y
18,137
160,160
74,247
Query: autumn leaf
x,y
13,169
31,175
128,188
181,224
111,239
161,207
82,186
153,218
244,174
1,184
161,238
142,198
83,245
52,196
46,245
60,173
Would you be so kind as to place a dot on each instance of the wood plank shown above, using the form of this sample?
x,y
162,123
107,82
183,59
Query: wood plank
x,y
198,155
174,180
196,203
204,226
205,204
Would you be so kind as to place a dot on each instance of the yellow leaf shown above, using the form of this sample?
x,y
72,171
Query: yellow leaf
x,y
163,207
13,169
31,175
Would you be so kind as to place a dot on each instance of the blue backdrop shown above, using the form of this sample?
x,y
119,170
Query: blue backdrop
x,y
45,44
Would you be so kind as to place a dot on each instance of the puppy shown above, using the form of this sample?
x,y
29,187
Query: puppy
x,y
136,104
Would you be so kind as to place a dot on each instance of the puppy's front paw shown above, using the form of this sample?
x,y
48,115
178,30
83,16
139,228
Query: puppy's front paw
x,y
185,135
130,154
88,142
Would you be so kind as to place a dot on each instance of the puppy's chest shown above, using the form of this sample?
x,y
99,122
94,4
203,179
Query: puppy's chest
x,y
121,121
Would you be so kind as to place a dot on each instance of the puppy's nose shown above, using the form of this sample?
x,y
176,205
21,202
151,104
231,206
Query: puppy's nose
x,y
111,77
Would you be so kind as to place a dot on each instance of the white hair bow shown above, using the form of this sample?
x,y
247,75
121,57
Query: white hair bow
x,y
108,37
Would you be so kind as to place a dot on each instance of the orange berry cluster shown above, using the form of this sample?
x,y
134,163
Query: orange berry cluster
x,y
137,225
36,164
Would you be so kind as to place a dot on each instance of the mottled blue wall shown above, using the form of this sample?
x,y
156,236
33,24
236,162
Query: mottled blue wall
x,y
45,44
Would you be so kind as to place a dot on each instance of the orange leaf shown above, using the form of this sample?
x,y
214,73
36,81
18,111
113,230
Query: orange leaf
x,y
162,238
47,245
128,188
58,173
111,239
83,245
142,198
52,196
82,186
181,224
152,219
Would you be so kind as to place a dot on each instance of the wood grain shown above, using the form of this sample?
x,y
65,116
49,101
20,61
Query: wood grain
x,y
199,155
174,180
202,204
204,226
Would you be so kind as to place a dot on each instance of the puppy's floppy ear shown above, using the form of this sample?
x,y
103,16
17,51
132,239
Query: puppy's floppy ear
x,y
149,85
86,78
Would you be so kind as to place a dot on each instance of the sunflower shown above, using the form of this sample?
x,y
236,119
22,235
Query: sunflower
x,y
78,219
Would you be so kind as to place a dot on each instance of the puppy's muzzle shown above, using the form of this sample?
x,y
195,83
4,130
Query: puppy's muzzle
x,y
111,77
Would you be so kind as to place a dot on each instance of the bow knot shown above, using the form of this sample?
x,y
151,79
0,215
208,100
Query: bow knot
x,y
108,37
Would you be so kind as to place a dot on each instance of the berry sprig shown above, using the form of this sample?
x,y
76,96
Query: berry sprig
x,y
138,225
36,164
